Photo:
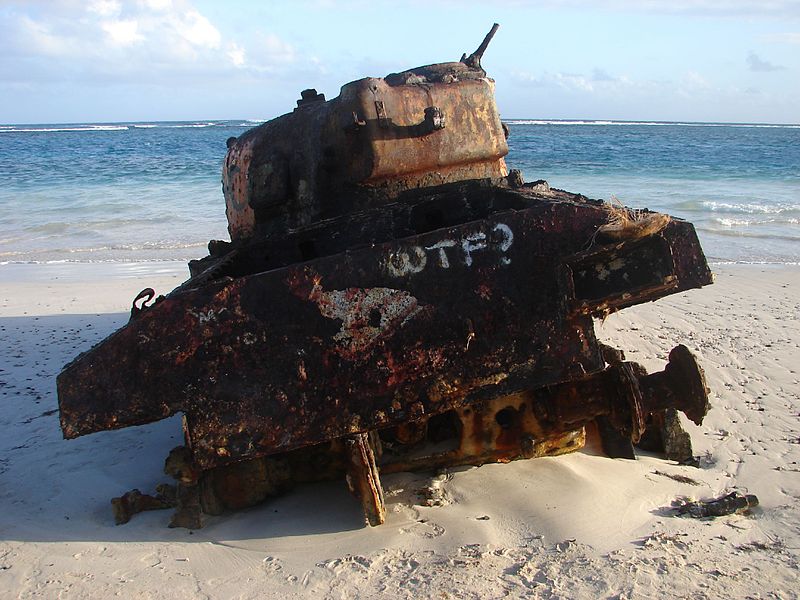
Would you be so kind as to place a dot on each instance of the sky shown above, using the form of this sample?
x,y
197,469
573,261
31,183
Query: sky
x,y
69,61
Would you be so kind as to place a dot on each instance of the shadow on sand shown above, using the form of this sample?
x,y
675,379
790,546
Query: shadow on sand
x,y
53,489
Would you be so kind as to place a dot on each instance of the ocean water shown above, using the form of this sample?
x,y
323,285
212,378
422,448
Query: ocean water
x,y
144,192
738,184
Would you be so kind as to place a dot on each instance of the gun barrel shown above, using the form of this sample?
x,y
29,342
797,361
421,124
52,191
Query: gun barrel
x,y
474,59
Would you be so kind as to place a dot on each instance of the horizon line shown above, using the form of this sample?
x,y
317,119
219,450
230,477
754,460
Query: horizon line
x,y
575,120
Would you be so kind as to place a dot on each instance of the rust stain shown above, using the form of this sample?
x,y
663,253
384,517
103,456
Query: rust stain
x,y
368,316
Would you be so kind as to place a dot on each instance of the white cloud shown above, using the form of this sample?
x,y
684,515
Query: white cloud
x,y
692,85
122,33
278,50
197,30
105,8
267,53
569,82
755,8
789,37
759,65
236,54
130,40
601,75
157,5
715,8
603,94
38,38
694,81
600,81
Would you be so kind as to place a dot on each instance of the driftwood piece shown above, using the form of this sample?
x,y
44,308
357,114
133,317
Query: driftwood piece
x,y
734,502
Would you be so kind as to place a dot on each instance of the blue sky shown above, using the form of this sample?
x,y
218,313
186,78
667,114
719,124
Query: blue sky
x,y
140,60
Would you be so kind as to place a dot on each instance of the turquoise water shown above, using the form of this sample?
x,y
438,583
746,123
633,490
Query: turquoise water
x,y
739,184
151,191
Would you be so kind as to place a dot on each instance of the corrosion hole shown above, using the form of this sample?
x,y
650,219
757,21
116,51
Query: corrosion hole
x,y
307,250
506,417
374,318
445,426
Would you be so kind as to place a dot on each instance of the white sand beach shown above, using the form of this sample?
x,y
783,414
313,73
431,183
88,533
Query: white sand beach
x,y
576,526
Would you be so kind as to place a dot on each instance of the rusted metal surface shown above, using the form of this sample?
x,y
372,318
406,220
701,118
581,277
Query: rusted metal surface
x,y
499,430
365,339
391,298
665,434
236,188
363,478
625,396
545,422
426,126
550,420
134,502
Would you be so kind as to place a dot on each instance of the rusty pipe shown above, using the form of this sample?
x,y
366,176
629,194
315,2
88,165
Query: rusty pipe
x,y
626,394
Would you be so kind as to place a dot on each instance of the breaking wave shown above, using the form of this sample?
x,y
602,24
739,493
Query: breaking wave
x,y
646,123
94,127
90,128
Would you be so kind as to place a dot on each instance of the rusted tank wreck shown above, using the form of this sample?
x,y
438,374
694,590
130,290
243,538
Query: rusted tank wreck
x,y
392,298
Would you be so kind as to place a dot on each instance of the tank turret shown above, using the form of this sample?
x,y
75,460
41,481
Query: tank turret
x,y
423,127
